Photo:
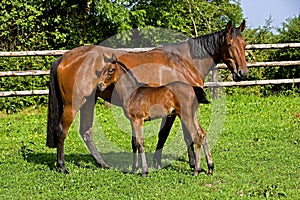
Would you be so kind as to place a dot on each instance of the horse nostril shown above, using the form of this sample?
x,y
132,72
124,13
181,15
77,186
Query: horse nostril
x,y
101,87
243,73
240,73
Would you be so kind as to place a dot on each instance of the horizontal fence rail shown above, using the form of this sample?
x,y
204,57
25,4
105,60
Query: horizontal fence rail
x,y
25,73
219,66
61,52
23,93
214,84
207,84
249,83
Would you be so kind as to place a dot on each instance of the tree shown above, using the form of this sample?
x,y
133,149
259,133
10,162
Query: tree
x,y
66,24
288,33
191,17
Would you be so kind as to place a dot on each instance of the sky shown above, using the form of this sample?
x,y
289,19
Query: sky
x,y
257,12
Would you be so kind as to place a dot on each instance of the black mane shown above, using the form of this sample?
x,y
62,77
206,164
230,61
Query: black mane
x,y
209,45
206,45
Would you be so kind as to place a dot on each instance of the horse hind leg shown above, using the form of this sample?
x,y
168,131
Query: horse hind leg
x,y
86,122
165,127
64,125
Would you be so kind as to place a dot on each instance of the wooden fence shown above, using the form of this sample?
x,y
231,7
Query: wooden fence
x,y
214,82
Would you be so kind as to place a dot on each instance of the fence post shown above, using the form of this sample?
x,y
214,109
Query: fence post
x,y
215,74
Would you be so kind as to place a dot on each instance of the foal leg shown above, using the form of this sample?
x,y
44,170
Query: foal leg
x,y
86,122
191,128
207,153
209,160
190,148
135,162
138,147
165,127
64,125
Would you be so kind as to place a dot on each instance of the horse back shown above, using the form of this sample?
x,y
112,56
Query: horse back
x,y
155,102
161,68
77,73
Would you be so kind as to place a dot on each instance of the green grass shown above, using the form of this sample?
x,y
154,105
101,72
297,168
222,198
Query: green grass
x,y
256,156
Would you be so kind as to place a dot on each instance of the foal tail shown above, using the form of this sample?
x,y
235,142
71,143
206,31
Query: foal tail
x,y
200,94
55,107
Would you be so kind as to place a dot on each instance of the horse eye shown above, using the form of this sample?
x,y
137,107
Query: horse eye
x,y
229,45
110,71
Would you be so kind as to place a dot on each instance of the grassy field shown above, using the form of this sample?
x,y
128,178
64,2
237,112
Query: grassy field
x,y
256,155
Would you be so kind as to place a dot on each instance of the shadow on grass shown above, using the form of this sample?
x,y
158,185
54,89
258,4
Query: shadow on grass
x,y
117,160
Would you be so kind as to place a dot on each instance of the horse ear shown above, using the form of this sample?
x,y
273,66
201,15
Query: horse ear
x,y
242,26
98,73
114,57
106,59
229,27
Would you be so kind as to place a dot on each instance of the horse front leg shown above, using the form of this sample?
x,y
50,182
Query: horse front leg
x,y
86,122
165,127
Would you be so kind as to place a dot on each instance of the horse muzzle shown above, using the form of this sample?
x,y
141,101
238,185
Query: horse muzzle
x,y
101,87
240,75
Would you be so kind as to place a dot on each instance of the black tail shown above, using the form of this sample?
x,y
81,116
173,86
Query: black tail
x,y
55,107
201,96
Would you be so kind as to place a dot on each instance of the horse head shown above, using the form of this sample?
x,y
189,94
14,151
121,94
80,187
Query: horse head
x,y
109,74
233,51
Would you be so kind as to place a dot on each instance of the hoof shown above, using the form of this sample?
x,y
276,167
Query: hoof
x,y
192,162
156,164
210,169
133,171
196,172
144,174
192,166
103,165
63,170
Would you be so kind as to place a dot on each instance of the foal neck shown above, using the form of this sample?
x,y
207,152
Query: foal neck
x,y
127,82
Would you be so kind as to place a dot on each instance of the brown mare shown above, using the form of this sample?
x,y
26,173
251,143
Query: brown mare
x,y
141,102
73,83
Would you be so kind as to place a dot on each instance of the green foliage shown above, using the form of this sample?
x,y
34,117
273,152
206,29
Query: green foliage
x,y
20,27
256,156
46,25
19,83
53,24
289,33
190,17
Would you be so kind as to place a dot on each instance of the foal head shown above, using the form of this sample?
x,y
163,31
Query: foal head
x,y
110,73
233,51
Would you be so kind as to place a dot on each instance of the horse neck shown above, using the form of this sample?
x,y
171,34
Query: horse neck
x,y
203,51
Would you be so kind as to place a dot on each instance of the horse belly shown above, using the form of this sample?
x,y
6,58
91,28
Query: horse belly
x,y
152,104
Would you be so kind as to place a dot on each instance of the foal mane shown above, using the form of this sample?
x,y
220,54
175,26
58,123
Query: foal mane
x,y
127,71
